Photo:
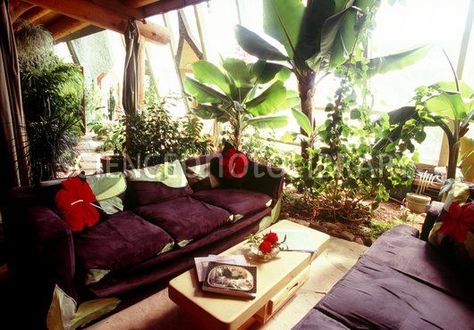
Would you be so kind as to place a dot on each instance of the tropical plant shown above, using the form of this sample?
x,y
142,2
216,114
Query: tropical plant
x,y
157,138
451,106
240,94
51,93
318,39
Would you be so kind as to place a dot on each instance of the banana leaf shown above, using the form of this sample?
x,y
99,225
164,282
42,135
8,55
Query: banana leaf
x,y
269,101
396,61
207,73
282,21
238,71
203,93
303,121
253,44
268,122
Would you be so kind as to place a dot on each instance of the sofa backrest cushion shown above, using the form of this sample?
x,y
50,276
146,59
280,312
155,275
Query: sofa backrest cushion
x,y
156,184
141,193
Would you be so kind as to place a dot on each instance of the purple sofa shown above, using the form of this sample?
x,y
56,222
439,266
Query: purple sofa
x,y
44,251
401,282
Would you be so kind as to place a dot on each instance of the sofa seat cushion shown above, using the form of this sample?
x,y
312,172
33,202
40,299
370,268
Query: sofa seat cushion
x,y
184,218
123,240
373,295
400,250
239,202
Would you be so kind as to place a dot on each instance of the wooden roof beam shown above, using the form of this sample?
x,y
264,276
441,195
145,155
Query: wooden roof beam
x,y
138,3
164,6
17,8
65,27
122,9
103,17
35,14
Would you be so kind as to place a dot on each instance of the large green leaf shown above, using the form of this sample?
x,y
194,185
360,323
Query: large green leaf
x,y
282,20
315,16
292,101
345,37
207,73
269,101
238,71
303,121
264,72
396,61
450,86
257,46
203,93
269,121
448,104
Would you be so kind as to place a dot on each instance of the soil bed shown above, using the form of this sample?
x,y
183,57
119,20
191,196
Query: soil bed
x,y
388,215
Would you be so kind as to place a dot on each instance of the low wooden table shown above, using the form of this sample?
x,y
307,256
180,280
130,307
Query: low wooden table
x,y
277,281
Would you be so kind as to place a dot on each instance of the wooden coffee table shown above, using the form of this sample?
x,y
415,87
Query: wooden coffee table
x,y
277,281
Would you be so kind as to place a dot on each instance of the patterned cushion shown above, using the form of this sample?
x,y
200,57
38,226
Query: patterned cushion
x,y
453,233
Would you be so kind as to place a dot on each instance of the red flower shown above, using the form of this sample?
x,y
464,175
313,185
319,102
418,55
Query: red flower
x,y
270,237
265,247
458,221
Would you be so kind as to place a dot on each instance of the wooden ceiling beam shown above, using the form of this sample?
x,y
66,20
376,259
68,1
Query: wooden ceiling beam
x,y
104,17
65,27
35,14
122,9
17,8
138,3
164,6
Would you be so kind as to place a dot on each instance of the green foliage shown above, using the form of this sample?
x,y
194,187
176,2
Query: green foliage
x,y
451,107
239,94
112,135
52,93
320,38
376,228
155,137
263,151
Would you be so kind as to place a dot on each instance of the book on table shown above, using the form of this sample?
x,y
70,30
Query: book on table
x,y
229,279
202,262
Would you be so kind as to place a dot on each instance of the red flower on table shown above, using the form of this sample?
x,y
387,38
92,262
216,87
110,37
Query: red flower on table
x,y
265,247
458,221
272,238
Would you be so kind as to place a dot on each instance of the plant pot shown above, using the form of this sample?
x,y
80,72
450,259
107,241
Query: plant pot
x,y
112,163
417,203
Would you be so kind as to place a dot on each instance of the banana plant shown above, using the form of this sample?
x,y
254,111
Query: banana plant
x,y
240,94
317,39
452,106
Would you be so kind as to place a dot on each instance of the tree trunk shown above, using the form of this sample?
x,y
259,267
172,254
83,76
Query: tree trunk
x,y
453,160
306,92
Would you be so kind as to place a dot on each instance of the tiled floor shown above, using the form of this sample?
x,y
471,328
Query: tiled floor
x,y
159,312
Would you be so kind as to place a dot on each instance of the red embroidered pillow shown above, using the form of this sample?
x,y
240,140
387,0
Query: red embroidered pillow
x,y
234,164
454,233
74,201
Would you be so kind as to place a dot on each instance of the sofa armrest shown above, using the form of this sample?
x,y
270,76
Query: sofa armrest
x,y
432,215
265,179
52,245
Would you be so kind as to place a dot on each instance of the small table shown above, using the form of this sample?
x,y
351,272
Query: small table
x,y
277,281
